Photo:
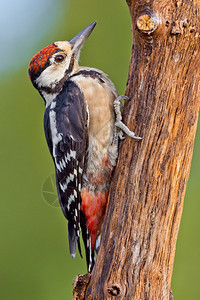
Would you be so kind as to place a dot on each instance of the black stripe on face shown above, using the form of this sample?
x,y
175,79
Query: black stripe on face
x,y
71,65
56,89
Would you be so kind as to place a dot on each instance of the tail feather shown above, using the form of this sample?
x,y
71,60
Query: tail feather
x,y
89,253
72,237
79,248
74,240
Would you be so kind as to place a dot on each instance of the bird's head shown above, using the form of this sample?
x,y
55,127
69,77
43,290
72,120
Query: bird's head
x,y
50,67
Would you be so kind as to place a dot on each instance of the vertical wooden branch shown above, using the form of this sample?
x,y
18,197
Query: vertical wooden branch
x,y
146,198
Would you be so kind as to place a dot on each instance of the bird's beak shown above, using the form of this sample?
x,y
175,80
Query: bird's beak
x,y
78,41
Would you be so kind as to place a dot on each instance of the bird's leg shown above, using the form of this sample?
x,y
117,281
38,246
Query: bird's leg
x,y
119,124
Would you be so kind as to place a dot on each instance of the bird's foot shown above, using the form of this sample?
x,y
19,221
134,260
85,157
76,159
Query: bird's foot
x,y
119,124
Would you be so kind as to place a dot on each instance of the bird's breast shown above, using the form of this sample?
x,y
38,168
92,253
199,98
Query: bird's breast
x,y
99,98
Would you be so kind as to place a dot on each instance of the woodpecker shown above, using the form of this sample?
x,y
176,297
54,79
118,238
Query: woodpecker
x,y
82,124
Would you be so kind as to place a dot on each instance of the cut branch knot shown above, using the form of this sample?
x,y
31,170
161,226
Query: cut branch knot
x,y
147,23
114,290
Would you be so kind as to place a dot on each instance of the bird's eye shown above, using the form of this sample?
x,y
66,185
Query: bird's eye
x,y
59,58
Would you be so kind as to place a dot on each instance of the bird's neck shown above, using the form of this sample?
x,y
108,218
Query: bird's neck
x,y
50,91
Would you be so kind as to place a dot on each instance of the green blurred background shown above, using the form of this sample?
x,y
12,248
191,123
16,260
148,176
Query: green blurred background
x,y
34,257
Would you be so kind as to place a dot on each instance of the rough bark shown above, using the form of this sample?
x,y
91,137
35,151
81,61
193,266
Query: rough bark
x,y
79,286
146,197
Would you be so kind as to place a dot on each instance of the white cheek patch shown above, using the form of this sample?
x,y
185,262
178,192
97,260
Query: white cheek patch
x,y
52,74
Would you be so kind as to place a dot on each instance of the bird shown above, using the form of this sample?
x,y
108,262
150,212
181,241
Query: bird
x,y
83,125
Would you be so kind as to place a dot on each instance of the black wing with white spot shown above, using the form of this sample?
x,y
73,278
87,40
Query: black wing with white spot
x,y
66,131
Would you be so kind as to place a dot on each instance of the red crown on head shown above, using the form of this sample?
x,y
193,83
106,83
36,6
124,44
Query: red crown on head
x,y
38,61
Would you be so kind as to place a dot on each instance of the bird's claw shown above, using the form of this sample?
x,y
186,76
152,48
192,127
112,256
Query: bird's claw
x,y
121,135
119,98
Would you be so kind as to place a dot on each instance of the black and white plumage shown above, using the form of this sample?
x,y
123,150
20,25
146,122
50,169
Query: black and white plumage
x,y
82,124
66,130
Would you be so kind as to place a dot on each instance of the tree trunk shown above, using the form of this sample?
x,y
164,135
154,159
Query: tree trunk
x,y
146,197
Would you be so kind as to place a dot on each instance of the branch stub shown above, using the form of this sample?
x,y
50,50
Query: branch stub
x,y
147,23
